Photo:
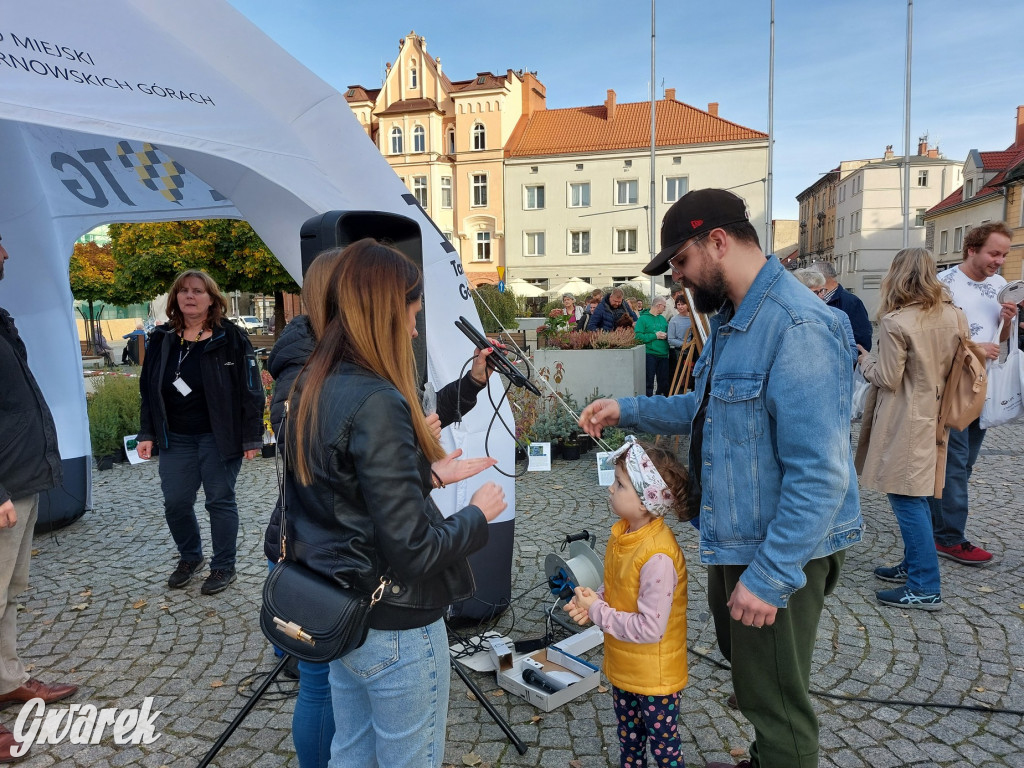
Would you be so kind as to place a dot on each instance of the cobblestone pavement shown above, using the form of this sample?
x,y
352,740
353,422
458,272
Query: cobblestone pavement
x,y
99,613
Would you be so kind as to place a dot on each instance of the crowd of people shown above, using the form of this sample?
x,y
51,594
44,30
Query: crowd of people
x,y
771,481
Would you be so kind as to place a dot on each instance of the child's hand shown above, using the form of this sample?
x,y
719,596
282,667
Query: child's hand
x,y
585,597
576,613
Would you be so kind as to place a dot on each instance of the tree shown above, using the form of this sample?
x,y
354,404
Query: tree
x,y
504,305
91,274
150,256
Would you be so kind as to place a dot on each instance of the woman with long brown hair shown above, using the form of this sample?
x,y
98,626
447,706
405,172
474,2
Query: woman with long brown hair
x,y
202,399
898,454
363,460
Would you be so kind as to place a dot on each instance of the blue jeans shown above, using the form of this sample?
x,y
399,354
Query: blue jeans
x,y
949,514
187,461
919,556
313,717
657,368
391,700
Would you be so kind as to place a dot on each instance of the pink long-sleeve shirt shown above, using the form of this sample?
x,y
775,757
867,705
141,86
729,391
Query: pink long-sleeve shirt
x,y
654,604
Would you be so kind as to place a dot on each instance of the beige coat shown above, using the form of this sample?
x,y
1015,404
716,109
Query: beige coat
x,y
898,451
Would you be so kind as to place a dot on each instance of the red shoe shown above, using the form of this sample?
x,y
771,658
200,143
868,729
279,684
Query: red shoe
x,y
34,689
965,553
7,743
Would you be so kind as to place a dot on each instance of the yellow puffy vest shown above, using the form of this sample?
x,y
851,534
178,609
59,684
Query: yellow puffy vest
x,y
644,668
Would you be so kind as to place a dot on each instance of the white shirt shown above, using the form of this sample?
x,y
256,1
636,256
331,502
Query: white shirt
x,y
977,300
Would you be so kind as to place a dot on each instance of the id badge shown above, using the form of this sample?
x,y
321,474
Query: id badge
x,y
181,386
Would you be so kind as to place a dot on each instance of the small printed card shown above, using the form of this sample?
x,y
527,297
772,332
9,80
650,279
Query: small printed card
x,y
131,450
540,457
605,468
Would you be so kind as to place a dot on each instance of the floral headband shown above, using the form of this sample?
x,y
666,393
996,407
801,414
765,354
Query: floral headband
x,y
647,482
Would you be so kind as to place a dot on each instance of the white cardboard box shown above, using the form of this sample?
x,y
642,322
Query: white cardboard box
x,y
561,657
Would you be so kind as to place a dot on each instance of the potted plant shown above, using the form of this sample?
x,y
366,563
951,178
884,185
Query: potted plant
x,y
113,409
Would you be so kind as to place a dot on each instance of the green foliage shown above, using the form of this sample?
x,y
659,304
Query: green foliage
x,y
504,305
113,413
91,272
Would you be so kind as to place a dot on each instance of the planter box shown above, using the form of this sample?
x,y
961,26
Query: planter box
x,y
615,372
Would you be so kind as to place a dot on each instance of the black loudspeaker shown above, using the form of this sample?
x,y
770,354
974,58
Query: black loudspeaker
x,y
338,229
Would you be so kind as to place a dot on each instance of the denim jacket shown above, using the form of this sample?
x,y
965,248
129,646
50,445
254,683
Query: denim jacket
x,y
778,486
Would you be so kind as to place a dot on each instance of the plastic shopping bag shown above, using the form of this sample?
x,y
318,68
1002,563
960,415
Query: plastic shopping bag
x,y
860,393
1003,402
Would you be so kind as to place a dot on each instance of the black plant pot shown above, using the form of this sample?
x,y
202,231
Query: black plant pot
x,y
104,463
520,453
571,451
269,450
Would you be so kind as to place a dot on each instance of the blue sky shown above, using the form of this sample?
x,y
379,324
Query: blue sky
x,y
839,66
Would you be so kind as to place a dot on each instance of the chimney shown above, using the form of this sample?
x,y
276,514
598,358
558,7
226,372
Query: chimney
x,y
713,108
888,151
1020,126
922,146
609,105
670,95
933,152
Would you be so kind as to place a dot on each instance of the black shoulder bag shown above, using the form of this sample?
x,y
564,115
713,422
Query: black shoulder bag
x,y
306,615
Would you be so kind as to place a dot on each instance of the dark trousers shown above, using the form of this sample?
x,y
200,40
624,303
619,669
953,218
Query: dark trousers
x,y
771,666
949,514
187,461
642,719
658,368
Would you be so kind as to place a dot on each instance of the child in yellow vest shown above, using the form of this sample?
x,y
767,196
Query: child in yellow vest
x,y
641,607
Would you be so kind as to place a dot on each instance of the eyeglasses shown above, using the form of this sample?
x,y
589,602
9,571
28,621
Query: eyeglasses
x,y
819,291
673,264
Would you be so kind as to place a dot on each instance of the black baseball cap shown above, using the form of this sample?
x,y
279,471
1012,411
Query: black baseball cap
x,y
694,214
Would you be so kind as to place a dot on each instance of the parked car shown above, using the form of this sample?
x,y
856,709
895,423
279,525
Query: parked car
x,y
250,323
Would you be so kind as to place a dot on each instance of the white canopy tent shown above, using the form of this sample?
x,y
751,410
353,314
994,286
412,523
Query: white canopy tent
x,y
117,110
522,288
643,283
573,285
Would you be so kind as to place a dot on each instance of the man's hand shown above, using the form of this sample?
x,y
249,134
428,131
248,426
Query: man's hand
x,y
145,449
434,424
749,610
252,453
8,515
598,415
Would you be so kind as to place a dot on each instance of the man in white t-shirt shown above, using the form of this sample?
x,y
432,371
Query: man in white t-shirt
x,y
974,285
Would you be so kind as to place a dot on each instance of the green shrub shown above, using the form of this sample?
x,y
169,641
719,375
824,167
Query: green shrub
x,y
504,305
113,413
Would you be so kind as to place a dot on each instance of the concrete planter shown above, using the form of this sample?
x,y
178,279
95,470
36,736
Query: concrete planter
x,y
614,372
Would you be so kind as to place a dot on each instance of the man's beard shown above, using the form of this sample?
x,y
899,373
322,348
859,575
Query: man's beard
x,y
710,297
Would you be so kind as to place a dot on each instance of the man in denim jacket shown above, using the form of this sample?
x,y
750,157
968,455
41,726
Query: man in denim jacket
x,y
770,462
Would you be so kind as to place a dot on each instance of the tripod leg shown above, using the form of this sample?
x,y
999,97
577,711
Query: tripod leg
x,y
244,712
495,715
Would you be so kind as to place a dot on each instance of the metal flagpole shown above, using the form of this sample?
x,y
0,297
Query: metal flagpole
x,y
652,230
769,246
906,129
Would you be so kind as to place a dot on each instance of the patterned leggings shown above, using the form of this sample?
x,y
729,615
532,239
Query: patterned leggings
x,y
643,718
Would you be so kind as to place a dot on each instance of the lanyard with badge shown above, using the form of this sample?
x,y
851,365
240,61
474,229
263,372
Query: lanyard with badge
x,y
179,383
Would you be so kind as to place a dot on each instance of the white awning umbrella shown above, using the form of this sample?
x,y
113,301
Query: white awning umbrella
x,y
644,284
573,285
520,287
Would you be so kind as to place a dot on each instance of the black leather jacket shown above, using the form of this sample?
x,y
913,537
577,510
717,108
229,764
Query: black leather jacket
x,y
368,510
234,389
29,459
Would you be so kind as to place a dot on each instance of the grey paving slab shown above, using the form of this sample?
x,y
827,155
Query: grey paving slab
x,y
99,613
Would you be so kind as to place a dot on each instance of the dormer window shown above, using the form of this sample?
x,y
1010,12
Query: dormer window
x,y
968,189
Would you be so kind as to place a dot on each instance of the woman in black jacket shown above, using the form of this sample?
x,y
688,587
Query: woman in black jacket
x,y
202,398
362,463
313,716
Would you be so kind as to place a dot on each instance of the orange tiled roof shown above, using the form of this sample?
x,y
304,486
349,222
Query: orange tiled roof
x,y
490,81
587,129
1003,161
358,93
411,105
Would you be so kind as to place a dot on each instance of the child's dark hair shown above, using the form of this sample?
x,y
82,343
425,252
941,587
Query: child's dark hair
x,y
675,475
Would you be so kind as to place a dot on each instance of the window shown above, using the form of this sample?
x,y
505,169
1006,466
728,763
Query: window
x,y
479,190
842,193
579,195
944,241
419,190
413,79
479,136
625,241
446,192
922,178
626,192
968,189
396,141
958,239
419,139
919,217
451,141
533,198
534,243
447,236
579,242
483,246
840,226
675,187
